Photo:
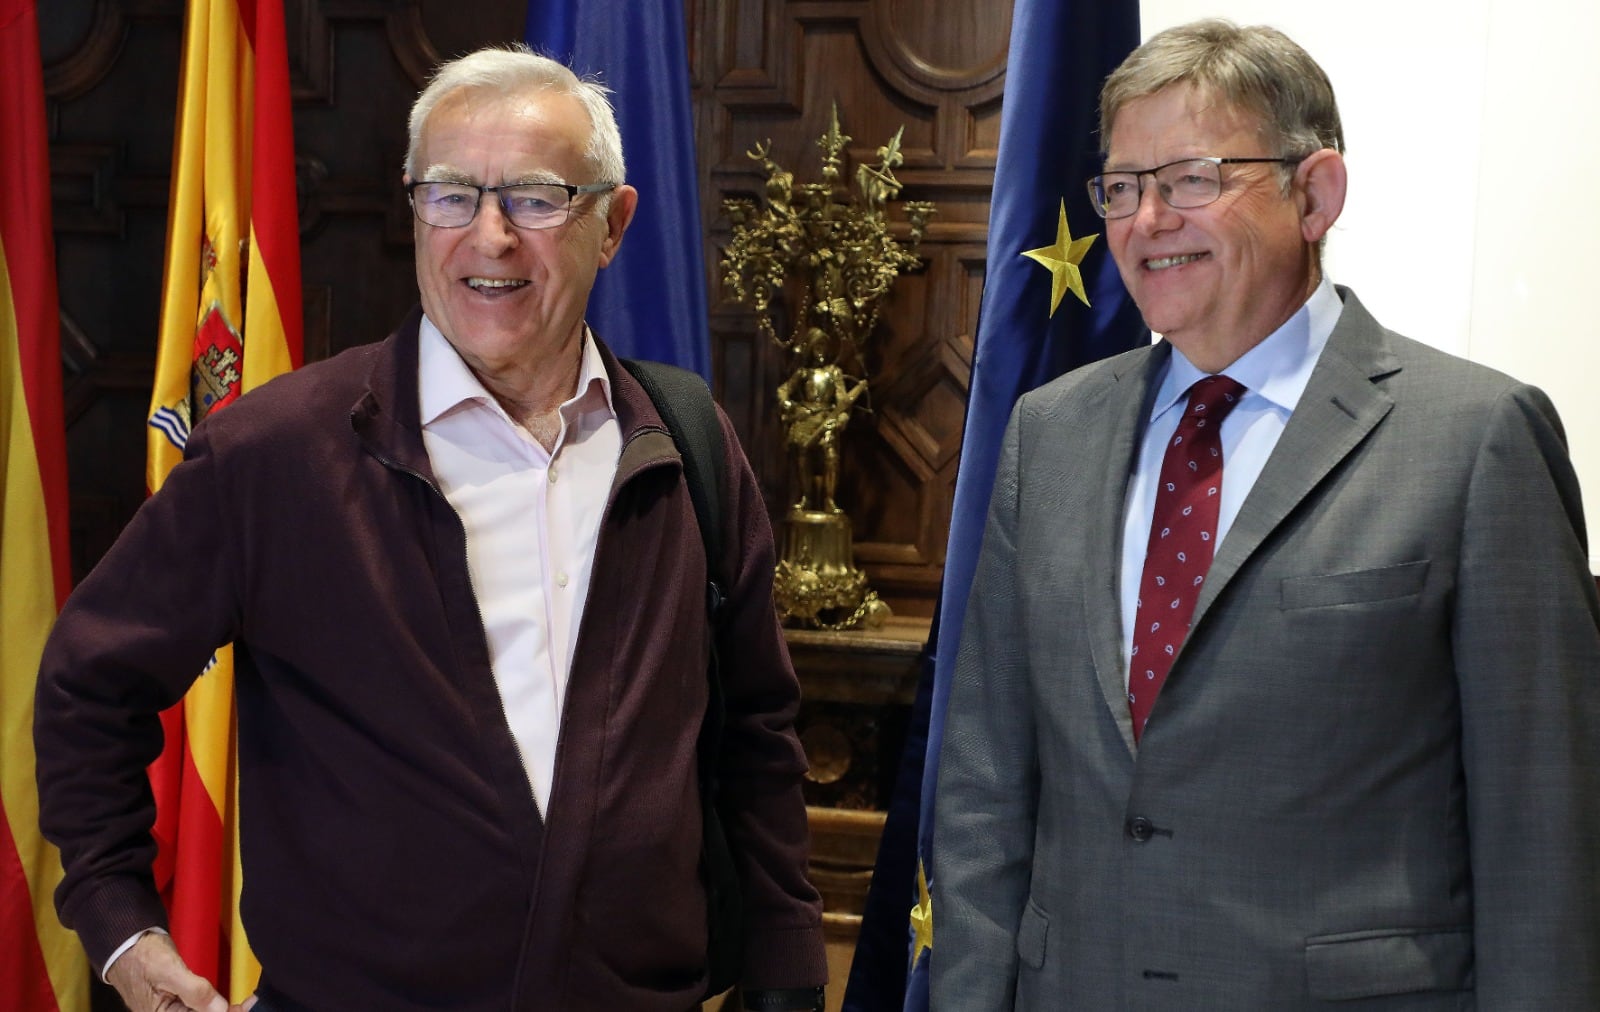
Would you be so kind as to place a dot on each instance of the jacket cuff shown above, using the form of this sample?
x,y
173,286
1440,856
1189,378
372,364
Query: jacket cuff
x,y
107,914
784,958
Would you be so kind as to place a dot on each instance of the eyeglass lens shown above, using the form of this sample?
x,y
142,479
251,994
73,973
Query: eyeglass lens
x,y
529,205
1181,184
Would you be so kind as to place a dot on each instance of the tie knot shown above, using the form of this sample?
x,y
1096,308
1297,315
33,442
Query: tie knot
x,y
1213,397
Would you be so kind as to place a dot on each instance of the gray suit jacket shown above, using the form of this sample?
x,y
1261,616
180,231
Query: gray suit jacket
x,y
1373,774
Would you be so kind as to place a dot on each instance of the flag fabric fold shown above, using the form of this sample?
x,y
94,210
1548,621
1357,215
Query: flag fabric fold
x,y
1029,331
42,966
651,301
230,320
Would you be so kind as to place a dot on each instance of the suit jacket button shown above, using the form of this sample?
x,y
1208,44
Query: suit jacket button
x,y
1140,828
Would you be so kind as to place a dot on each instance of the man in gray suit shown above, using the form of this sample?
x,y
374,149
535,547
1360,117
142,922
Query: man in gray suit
x,y
1340,744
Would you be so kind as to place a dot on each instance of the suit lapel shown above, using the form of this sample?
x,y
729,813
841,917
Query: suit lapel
x,y
1340,406
1127,408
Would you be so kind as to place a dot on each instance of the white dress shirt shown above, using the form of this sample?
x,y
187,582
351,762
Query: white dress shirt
x,y
1274,374
531,518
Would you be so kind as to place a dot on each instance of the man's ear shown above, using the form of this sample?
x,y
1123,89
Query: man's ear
x,y
1321,182
624,201
416,223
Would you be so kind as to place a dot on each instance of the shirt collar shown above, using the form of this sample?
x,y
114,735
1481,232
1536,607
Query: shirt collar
x,y
445,382
594,383
1276,369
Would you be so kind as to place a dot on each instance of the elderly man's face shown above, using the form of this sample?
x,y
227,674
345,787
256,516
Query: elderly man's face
x,y
1213,280
509,298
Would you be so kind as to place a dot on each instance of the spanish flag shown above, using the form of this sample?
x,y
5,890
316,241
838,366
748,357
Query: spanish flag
x,y
230,321
41,963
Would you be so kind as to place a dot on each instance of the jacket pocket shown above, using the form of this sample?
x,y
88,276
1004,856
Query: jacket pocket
x,y
1368,964
1031,935
1384,584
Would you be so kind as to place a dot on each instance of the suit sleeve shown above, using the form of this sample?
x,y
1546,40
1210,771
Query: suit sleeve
x,y
1527,648
988,771
762,763
132,638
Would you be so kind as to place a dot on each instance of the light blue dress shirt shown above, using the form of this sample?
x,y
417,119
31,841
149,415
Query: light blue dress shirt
x,y
1274,374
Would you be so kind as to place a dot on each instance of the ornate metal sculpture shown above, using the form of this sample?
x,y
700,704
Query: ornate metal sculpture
x,y
832,253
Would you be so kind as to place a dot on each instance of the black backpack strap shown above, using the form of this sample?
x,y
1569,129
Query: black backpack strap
x,y
685,405
684,402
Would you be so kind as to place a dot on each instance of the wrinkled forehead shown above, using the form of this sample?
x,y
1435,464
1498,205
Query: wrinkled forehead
x,y
544,133
533,105
1202,94
1178,121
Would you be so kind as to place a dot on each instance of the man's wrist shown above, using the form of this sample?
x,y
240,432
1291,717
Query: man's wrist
x,y
786,999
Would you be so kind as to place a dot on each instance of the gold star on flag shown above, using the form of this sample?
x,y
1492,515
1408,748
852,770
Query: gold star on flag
x,y
1062,260
921,917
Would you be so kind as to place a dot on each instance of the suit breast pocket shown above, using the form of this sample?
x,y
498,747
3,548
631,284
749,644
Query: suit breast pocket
x,y
1366,586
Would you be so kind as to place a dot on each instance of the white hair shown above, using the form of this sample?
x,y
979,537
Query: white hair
x,y
516,68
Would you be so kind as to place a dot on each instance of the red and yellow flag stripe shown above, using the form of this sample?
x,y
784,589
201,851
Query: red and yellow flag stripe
x,y
42,965
230,321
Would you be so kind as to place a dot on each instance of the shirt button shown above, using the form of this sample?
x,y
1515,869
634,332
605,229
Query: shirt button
x,y
1140,828
552,474
561,579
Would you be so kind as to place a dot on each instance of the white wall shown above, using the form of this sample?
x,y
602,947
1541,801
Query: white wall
x,y
1473,132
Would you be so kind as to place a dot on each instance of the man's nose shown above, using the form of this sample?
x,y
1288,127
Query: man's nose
x,y
492,230
1153,214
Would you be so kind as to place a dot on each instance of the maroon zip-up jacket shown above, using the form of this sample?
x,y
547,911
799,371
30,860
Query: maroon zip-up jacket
x,y
394,857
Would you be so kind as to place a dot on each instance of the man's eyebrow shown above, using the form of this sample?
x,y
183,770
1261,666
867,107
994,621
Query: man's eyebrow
x,y
536,176
447,174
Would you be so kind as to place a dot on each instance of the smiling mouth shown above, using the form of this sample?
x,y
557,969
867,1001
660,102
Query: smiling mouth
x,y
494,284
1162,263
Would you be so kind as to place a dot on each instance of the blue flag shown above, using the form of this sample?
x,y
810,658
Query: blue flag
x,y
1052,300
651,302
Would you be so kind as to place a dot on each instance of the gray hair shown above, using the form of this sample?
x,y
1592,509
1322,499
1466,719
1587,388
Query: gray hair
x,y
515,68
1257,69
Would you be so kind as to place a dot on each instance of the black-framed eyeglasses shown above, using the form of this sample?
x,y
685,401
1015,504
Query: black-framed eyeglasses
x,y
1186,183
525,205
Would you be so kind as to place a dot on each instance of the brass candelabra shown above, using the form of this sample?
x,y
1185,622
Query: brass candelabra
x,y
829,255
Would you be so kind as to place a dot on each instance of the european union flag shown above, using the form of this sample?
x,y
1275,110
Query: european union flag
x,y
651,302
1052,300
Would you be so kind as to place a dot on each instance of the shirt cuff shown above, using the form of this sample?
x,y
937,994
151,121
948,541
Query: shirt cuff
x,y
124,947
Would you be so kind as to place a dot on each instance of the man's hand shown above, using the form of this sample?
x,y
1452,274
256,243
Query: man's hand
x,y
152,977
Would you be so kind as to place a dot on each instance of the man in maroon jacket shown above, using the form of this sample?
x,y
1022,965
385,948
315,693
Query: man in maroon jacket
x,y
465,585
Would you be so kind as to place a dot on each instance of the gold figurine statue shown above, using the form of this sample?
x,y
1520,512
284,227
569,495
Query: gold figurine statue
x,y
815,403
834,257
